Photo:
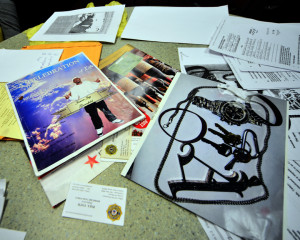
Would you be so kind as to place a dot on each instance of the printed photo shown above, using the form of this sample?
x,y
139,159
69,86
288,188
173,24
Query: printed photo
x,y
220,155
97,22
66,108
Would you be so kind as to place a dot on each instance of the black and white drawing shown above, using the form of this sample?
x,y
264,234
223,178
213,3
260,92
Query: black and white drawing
x,y
220,154
215,72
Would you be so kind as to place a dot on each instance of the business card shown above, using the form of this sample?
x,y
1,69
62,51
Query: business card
x,y
97,203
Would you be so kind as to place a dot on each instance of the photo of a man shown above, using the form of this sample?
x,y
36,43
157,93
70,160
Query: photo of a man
x,y
85,22
84,88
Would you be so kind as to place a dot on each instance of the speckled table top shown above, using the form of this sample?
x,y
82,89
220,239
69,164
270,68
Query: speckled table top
x,y
148,216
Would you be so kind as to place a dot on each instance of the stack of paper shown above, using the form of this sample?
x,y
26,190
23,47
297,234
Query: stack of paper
x,y
256,56
262,55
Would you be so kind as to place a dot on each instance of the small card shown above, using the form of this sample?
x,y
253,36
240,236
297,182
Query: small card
x,y
96,203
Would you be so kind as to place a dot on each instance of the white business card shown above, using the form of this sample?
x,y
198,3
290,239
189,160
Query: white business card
x,y
96,203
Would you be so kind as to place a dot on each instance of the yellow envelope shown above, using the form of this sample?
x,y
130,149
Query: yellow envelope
x,y
91,49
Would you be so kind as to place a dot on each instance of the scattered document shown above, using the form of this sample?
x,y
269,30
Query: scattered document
x,y
293,98
198,56
293,201
91,49
290,95
83,168
117,148
87,24
66,122
143,78
96,203
194,25
9,127
7,234
15,64
259,42
205,63
258,80
294,138
255,67
214,232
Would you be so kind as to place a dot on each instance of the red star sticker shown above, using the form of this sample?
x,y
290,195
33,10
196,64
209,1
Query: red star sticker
x,y
91,161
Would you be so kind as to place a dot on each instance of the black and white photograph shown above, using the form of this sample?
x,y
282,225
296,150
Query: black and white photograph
x,y
218,152
215,72
204,63
82,23
89,24
290,95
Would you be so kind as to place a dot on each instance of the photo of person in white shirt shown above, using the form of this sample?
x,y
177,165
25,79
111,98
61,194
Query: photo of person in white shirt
x,y
84,88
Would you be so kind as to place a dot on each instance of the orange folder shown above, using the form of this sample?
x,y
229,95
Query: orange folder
x,y
91,49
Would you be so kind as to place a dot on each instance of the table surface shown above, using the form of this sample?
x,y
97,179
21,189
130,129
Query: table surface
x,y
148,216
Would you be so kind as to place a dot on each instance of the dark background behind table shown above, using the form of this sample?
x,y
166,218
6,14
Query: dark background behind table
x,y
34,12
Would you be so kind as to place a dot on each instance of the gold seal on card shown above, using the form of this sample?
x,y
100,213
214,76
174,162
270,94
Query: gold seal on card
x,y
114,212
111,149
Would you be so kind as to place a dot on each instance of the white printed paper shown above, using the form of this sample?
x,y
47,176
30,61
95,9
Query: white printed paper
x,y
265,43
247,66
15,64
96,203
117,148
205,63
293,98
194,25
88,24
214,232
198,56
264,80
83,168
294,139
293,201
290,95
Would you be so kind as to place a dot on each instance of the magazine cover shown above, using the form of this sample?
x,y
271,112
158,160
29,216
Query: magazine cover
x,y
66,108
143,78
219,152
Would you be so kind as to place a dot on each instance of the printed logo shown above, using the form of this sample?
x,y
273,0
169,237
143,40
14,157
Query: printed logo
x,y
111,149
143,123
114,212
